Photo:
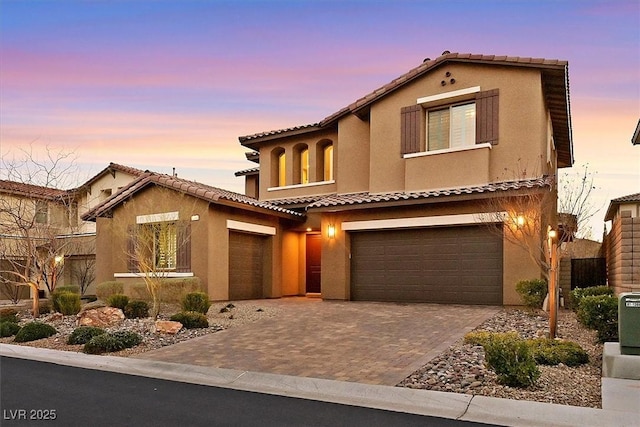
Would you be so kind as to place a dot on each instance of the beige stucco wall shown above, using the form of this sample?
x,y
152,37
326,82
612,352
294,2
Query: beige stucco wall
x,y
522,124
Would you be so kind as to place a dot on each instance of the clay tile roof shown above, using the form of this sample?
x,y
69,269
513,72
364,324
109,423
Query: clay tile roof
x,y
245,172
114,167
613,206
195,189
30,190
365,197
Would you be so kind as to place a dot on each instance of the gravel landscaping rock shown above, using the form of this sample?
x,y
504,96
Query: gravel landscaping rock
x,y
461,368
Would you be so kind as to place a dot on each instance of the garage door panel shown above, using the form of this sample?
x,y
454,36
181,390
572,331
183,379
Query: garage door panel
x,y
246,259
444,265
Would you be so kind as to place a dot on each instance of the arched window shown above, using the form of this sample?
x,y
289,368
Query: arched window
x,y
324,160
328,162
278,167
301,164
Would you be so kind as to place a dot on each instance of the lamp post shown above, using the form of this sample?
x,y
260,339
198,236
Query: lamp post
x,y
552,244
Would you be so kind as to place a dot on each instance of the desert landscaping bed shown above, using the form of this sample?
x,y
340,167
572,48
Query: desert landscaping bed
x,y
459,369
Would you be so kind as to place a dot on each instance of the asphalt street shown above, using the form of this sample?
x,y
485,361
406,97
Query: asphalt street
x,y
40,394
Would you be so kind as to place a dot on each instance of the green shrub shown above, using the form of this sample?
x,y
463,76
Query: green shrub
x,y
9,315
83,334
128,338
105,289
68,288
532,292
136,309
118,301
548,351
34,331
600,312
68,303
509,356
578,293
110,342
191,319
196,301
477,338
8,329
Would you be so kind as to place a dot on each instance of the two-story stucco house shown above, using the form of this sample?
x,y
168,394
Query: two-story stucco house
x,y
42,225
381,200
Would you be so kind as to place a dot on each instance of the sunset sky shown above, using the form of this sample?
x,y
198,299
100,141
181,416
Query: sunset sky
x,y
163,84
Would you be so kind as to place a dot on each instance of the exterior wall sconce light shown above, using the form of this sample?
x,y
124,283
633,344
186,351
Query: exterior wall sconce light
x,y
520,220
331,231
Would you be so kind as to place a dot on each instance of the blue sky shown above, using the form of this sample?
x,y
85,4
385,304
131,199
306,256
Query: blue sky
x,y
162,84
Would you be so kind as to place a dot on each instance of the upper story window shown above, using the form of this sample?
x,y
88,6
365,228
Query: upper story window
x,y
451,127
328,162
282,169
450,121
42,212
278,167
301,164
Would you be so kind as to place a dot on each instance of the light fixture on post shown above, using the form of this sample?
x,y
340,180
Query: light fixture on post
x,y
331,231
552,244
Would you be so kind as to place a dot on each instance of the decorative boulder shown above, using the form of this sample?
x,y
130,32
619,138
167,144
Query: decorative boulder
x,y
167,327
102,317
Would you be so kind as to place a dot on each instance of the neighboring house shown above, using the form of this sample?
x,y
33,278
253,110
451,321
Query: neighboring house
x,y
622,243
381,200
50,219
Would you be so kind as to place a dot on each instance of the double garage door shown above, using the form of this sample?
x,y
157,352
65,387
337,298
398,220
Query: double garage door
x,y
459,265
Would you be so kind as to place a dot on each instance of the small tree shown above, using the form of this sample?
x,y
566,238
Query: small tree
x,y
83,272
34,213
575,202
159,245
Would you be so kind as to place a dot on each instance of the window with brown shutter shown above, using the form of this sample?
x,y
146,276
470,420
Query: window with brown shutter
x,y
487,117
183,261
410,134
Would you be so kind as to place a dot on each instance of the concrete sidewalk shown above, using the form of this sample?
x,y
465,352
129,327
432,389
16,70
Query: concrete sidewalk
x,y
446,405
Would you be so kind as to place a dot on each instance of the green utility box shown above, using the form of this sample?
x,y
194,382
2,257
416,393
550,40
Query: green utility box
x,y
629,323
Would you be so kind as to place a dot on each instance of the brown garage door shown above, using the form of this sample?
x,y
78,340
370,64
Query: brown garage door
x,y
461,265
246,265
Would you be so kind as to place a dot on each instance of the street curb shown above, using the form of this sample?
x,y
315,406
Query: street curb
x,y
399,399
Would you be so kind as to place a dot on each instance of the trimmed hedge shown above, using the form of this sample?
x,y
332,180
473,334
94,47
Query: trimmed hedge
x,y
578,293
83,334
169,290
110,342
532,292
136,309
8,329
191,319
9,315
548,351
118,301
511,359
196,301
68,303
600,312
34,331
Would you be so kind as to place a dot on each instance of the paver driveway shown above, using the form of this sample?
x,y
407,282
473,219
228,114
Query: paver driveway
x,y
367,342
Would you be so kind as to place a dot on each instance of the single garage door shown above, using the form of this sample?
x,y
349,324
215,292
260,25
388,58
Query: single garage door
x,y
246,265
461,265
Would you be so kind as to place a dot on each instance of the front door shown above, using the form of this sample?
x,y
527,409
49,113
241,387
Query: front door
x,y
314,249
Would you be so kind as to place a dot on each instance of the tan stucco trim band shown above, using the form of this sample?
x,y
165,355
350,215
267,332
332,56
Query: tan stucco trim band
x,y
448,150
430,221
162,275
311,184
159,217
250,228
452,94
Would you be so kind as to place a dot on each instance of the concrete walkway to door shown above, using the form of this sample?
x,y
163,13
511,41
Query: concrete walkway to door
x,y
366,342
